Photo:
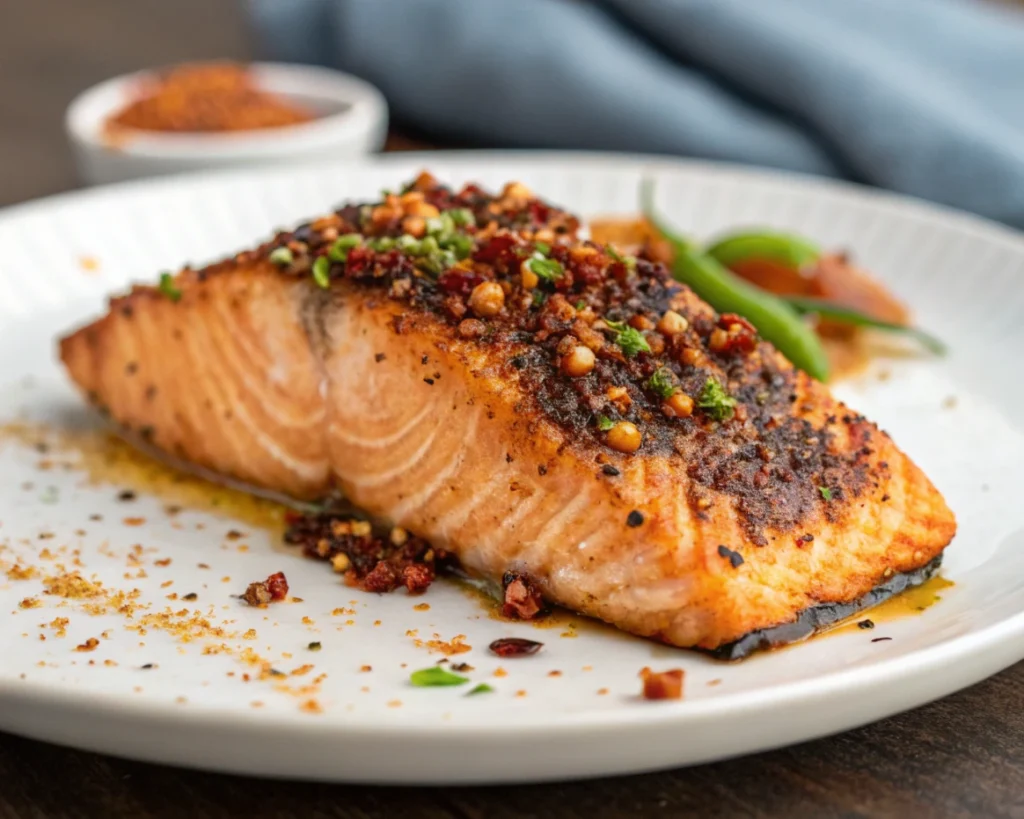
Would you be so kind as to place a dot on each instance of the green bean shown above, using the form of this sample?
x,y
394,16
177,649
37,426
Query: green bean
x,y
775,320
848,315
782,248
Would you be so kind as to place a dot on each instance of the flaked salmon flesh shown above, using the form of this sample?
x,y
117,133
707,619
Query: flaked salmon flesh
x,y
398,385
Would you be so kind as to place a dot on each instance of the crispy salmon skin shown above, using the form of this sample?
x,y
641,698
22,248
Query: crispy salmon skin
x,y
461,365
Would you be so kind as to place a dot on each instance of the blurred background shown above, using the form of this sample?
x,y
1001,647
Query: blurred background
x,y
924,97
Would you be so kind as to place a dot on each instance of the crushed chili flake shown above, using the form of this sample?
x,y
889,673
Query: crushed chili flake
x,y
522,598
662,685
271,590
514,647
371,561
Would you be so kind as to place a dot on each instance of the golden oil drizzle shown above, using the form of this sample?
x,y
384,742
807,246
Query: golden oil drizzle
x,y
909,603
106,459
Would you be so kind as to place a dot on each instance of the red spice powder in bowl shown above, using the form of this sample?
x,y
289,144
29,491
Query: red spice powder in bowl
x,y
204,98
214,115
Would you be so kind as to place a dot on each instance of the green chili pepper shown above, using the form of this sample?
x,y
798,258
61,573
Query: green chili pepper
x,y
783,248
775,320
848,315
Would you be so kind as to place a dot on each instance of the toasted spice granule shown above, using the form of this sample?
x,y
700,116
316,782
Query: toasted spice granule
x,y
663,685
271,590
30,603
72,586
88,645
19,572
500,672
457,645
311,706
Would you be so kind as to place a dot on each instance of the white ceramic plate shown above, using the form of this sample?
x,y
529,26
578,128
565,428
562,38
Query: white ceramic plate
x,y
959,417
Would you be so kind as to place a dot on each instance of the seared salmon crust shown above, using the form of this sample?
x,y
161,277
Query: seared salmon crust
x,y
463,366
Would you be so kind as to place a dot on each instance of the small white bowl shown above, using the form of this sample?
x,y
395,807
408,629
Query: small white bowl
x,y
352,120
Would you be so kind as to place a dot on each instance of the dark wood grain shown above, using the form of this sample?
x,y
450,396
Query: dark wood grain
x,y
960,757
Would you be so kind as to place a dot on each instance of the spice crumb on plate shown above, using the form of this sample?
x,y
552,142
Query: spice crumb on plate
x,y
662,685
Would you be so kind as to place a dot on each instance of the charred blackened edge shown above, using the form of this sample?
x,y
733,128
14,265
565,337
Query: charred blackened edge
x,y
816,618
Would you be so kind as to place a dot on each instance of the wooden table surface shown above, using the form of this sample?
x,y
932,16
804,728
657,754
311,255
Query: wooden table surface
x,y
962,756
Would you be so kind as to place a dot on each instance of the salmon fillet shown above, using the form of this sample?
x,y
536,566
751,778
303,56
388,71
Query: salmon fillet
x,y
529,403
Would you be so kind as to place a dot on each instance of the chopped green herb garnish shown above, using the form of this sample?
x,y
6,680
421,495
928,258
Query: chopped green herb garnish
x,y
546,269
604,423
315,646
480,688
281,256
429,245
542,247
539,297
441,225
381,243
628,261
662,383
321,271
628,338
408,244
342,245
435,675
462,217
460,244
715,401
581,305
826,493
167,287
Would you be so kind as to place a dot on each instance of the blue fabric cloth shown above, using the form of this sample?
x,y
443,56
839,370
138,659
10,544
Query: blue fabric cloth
x,y
925,97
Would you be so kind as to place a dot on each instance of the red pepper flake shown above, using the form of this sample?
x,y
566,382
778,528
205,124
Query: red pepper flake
x,y
523,600
273,589
662,685
734,335
515,647
277,584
